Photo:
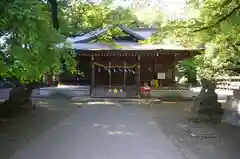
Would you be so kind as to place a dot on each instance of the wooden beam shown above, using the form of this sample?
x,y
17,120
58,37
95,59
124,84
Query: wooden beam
x,y
137,52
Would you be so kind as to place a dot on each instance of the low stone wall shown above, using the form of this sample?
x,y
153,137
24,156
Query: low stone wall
x,y
71,91
158,93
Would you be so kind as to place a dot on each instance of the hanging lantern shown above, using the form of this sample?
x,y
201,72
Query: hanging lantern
x,y
99,69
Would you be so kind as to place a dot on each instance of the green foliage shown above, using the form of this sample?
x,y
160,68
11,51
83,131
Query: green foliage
x,y
30,48
187,68
83,16
216,24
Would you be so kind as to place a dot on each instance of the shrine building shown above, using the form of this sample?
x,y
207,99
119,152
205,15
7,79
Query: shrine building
x,y
120,70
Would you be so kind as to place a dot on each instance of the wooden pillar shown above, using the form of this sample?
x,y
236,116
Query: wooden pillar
x,y
154,64
138,76
93,76
124,75
173,68
110,74
154,67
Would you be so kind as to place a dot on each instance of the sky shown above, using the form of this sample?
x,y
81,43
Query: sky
x,y
172,8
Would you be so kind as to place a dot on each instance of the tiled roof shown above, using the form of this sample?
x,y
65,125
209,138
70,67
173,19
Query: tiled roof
x,y
137,33
83,42
88,36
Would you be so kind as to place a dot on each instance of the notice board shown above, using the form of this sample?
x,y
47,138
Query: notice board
x,y
161,75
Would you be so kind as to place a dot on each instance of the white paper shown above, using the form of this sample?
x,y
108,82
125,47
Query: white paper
x,y
161,76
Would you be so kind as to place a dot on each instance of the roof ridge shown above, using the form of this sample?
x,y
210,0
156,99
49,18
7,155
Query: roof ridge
x,y
130,32
144,29
94,34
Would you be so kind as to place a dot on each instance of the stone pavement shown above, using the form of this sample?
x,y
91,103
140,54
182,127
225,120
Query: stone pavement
x,y
103,131
111,129
16,132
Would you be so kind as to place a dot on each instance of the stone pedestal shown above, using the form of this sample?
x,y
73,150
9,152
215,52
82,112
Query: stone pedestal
x,y
232,109
207,103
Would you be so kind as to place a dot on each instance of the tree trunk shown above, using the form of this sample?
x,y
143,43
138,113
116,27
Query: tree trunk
x,y
19,97
54,10
208,100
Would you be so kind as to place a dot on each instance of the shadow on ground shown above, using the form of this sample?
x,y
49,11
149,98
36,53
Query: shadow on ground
x,y
173,117
24,125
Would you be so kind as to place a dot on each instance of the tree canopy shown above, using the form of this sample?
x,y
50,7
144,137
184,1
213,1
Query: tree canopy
x,y
215,24
85,16
28,41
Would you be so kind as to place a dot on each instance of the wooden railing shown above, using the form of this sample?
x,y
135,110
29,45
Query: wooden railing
x,y
228,83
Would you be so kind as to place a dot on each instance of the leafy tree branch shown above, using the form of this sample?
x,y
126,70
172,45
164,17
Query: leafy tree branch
x,y
220,20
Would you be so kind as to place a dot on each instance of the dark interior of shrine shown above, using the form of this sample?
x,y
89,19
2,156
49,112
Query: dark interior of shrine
x,y
114,65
